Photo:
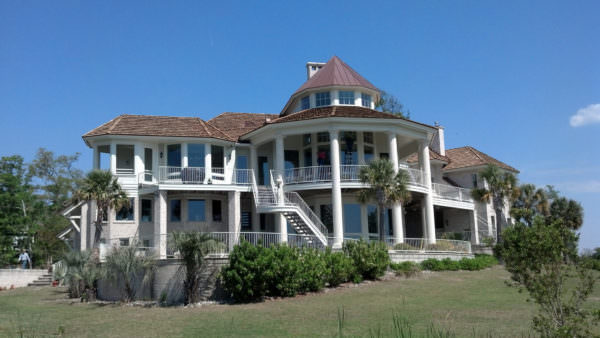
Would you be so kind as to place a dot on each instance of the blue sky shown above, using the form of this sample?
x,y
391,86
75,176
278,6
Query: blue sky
x,y
505,77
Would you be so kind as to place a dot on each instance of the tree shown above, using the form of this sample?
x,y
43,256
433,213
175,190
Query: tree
x,y
193,247
567,210
125,265
385,187
542,259
500,187
103,188
388,103
529,202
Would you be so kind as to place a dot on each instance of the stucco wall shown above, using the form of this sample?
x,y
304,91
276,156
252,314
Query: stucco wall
x,y
19,277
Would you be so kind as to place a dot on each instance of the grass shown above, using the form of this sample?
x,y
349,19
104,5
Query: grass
x,y
461,301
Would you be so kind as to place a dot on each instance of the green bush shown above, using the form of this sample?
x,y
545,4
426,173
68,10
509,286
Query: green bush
x,y
244,277
472,264
314,270
407,269
283,274
339,268
370,259
405,246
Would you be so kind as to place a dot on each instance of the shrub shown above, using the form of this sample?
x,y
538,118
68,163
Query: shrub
x,y
450,265
432,264
313,270
339,268
283,272
471,264
408,269
124,265
370,259
244,276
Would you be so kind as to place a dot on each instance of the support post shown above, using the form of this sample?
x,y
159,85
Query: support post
x,y
279,167
336,190
160,223
474,228
426,167
184,155
397,207
207,163
234,216
113,158
84,226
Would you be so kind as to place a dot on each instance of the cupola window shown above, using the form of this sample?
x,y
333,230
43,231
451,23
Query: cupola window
x,y
346,97
322,99
366,100
305,103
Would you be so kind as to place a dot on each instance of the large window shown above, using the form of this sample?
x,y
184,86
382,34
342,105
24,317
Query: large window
x,y
372,219
175,215
124,159
323,155
474,179
241,162
146,210
366,100
196,211
322,99
216,211
195,155
126,212
305,103
174,155
346,97
369,148
148,164
352,218
246,221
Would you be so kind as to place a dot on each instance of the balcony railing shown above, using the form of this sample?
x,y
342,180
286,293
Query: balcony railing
x,y
451,192
198,175
348,173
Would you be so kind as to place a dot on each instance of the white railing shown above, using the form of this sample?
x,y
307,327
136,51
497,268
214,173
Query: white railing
x,y
242,176
451,192
415,176
423,245
197,175
294,199
348,173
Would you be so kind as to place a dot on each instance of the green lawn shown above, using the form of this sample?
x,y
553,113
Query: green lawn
x,y
461,301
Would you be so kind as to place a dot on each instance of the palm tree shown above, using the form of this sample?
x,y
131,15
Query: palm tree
x,y
385,187
103,188
500,186
125,265
530,202
567,210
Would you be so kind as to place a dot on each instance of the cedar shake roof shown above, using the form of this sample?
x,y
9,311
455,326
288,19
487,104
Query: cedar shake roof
x,y
148,125
335,73
465,157
340,111
433,155
238,124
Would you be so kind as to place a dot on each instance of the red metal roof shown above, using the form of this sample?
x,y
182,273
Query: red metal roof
x,y
336,73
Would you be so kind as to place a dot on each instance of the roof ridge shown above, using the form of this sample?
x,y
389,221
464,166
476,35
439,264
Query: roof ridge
x,y
114,124
203,124
476,153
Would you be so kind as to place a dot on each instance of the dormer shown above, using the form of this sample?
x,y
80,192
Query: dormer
x,y
332,84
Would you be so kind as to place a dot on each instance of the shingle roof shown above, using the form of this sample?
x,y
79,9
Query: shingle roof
x,y
238,124
465,157
336,73
340,111
149,125
433,155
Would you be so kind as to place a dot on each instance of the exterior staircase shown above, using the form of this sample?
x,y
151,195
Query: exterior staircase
x,y
299,215
43,280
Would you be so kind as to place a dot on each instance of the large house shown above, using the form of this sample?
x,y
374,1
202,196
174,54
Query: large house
x,y
288,177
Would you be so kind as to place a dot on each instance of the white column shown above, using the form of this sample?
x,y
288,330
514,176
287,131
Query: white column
x,y
113,158
96,160
335,98
138,159
254,167
396,208
474,228
184,155
160,223
230,166
357,99
234,218
279,167
336,190
426,167
424,219
207,162
84,225
360,147
313,147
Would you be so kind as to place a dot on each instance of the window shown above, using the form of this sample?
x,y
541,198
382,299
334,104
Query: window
x,y
372,219
195,155
124,159
346,97
146,210
348,151
175,211
241,162
366,100
369,154
323,155
352,218
368,137
305,103
323,99
146,243
123,241
126,212
196,211
148,164
217,157
323,137
493,219
327,216
216,210
246,221
474,178
307,157
174,155
306,139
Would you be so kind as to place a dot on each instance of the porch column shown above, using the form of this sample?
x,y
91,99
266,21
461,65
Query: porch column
x,y
113,158
426,167
160,223
313,148
96,160
234,216
474,228
397,207
84,226
424,218
207,162
184,155
279,167
336,190
364,221
138,159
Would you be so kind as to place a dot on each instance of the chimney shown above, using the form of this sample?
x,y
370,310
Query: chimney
x,y
312,68
437,143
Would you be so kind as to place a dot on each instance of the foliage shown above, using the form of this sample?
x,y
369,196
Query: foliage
x,y
386,187
407,269
126,267
388,103
478,263
529,202
542,259
103,188
192,247
314,270
284,272
244,277
82,273
370,259
568,211
501,186
340,268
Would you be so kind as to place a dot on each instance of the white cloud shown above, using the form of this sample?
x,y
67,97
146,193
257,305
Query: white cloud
x,y
587,115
